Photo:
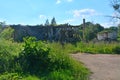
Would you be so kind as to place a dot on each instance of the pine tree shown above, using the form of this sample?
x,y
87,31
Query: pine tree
x,y
47,23
53,22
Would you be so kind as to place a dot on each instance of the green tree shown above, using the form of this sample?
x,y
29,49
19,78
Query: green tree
x,y
7,33
119,32
53,22
0,28
47,23
113,28
91,30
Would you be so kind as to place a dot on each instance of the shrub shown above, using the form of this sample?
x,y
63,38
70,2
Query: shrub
x,y
5,57
30,78
37,58
8,50
34,56
7,33
60,75
10,76
116,50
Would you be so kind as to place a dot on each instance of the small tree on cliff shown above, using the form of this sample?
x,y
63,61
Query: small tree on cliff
x,y
53,21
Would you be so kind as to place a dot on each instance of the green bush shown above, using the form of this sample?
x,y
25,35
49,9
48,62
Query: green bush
x,y
34,56
116,50
60,75
29,77
8,50
7,33
5,57
10,76
37,58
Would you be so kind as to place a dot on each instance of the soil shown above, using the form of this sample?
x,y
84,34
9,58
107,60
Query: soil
x,y
102,66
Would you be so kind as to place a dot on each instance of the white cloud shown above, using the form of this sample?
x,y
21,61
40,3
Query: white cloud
x,y
109,24
84,13
58,1
42,17
113,21
106,25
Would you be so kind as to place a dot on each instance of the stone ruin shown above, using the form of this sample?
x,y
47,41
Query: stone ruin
x,y
47,33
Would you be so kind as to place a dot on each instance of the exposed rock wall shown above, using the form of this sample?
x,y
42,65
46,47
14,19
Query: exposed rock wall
x,y
56,33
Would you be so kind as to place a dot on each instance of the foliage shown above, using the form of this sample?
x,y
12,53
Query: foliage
x,y
47,23
118,32
116,50
116,6
10,76
37,58
44,61
53,22
91,31
34,56
8,50
16,76
0,28
91,47
59,75
7,33
30,77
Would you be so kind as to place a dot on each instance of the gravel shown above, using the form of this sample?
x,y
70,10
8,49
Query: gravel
x,y
102,66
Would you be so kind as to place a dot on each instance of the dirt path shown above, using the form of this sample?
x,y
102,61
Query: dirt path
x,y
102,66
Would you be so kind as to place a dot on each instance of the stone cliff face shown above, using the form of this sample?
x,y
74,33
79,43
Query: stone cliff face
x,y
50,33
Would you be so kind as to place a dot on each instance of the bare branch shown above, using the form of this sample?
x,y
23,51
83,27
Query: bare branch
x,y
115,17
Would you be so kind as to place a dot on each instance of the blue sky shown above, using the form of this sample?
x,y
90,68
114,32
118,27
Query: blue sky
x,y
65,11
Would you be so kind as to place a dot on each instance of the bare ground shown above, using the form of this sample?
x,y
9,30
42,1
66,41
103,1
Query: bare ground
x,y
102,66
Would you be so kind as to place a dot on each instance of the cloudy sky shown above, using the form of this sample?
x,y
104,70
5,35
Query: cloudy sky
x,y
65,11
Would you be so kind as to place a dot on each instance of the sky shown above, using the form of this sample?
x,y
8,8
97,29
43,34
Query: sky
x,y
35,12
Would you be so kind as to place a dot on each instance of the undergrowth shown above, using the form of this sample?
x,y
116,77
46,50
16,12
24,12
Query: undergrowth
x,y
38,60
93,48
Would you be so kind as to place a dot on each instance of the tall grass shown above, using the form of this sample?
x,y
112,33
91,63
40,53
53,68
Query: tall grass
x,y
97,48
60,65
94,48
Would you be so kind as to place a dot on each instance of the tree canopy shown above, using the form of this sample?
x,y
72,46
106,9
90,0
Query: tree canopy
x,y
91,30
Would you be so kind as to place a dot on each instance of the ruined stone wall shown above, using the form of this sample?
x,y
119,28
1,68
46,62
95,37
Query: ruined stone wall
x,y
56,33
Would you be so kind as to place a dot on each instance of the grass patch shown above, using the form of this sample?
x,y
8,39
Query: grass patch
x,y
93,48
